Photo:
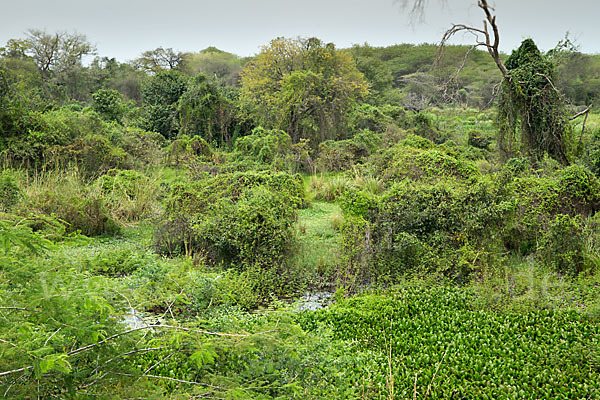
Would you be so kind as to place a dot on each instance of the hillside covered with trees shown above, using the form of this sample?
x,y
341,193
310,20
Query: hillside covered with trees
x,y
307,223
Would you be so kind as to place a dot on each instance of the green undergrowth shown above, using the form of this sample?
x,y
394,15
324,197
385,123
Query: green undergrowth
x,y
318,241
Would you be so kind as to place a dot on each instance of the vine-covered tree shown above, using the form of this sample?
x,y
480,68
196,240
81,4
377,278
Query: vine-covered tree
x,y
160,95
531,110
205,109
302,86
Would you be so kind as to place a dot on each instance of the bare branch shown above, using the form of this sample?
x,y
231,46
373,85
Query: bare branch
x,y
90,346
490,43
14,371
587,113
579,114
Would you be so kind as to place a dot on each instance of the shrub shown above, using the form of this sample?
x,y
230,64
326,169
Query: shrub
x,y
537,201
247,227
129,195
109,104
93,155
65,197
10,190
342,155
207,204
117,262
423,228
419,159
142,148
479,139
563,245
186,149
263,145
425,127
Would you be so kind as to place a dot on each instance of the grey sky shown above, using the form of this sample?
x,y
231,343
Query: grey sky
x,y
125,28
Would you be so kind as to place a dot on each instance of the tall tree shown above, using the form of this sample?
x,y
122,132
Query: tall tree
x,y
58,52
302,86
159,59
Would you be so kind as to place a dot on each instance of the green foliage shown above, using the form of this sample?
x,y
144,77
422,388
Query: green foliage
x,y
109,104
425,127
563,245
264,145
531,108
66,198
539,200
225,67
160,94
188,149
206,110
129,195
342,155
303,87
376,119
419,159
479,140
231,217
10,190
432,340
357,203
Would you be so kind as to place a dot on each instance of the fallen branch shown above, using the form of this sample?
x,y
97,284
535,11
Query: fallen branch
x,y
14,371
90,346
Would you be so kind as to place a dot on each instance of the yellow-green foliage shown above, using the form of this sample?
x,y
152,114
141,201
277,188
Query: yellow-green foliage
x,y
233,217
186,149
10,190
263,145
66,197
420,160
129,195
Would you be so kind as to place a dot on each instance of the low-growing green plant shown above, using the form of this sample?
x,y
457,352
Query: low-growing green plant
x,y
10,190
66,197
431,341
129,195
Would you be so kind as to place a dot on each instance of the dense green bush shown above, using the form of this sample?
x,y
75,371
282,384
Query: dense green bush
x,y
240,221
537,201
562,246
160,94
421,160
109,104
342,155
263,145
426,127
10,190
420,228
376,119
197,216
93,155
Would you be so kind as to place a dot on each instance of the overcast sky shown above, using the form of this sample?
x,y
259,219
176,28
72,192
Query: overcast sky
x,y
125,28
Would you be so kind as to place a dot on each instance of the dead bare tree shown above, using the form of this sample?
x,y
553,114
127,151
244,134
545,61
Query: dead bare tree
x,y
488,36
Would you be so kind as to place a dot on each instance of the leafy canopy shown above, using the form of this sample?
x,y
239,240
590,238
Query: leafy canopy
x,y
302,86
